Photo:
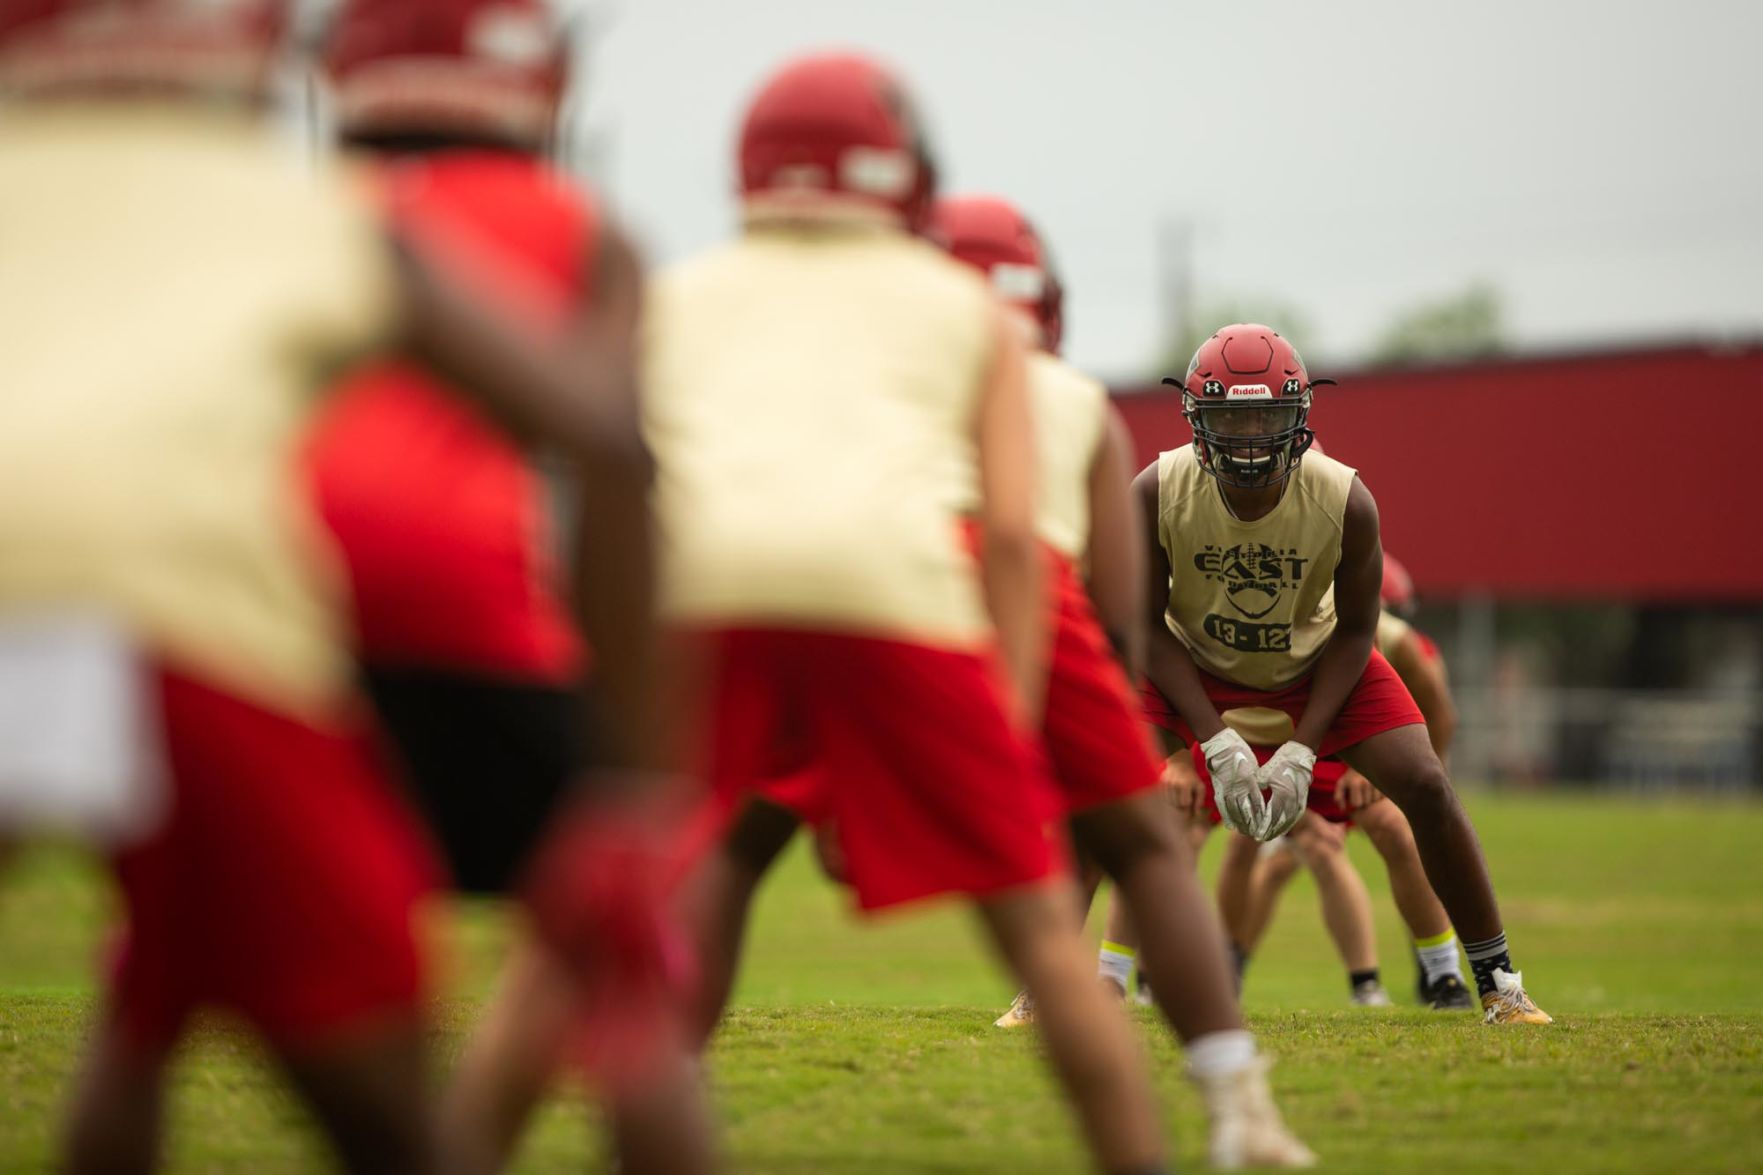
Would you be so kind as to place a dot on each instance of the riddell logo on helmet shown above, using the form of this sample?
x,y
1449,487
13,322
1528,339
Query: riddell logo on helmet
x,y
877,171
511,35
1018,283
1249,392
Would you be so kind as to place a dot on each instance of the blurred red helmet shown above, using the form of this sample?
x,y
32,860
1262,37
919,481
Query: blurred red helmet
x,y
221,48
1247,396
490,69
835,131
993,236
1398,587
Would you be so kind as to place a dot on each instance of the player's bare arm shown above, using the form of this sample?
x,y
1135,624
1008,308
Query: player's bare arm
x,y
1116,555
1168,663
1425,679
1358,579
1010,555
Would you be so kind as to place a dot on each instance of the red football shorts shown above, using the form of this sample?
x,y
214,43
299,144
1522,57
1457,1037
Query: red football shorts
x,y
908,752
1099,749
283,884
1321,799
1379,702
1094,743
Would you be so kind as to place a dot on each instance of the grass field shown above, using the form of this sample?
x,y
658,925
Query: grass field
x,y
869,1048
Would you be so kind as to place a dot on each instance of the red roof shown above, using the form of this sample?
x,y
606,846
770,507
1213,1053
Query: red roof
x,y
1611,475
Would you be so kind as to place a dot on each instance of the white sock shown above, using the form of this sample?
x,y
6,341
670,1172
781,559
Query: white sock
x,y
1439,958
1219,1054
1115,962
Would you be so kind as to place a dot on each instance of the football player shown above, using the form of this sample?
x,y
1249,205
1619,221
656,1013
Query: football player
x,y
821,394
469,650
177,296
1250,536
1102,764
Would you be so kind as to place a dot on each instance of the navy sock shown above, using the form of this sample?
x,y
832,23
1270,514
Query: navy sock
x,y
1484,958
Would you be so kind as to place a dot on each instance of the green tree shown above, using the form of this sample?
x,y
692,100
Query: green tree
x,y
1463,325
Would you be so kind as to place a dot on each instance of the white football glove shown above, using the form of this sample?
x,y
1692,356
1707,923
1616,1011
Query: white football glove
x,y
1234,786
1287,776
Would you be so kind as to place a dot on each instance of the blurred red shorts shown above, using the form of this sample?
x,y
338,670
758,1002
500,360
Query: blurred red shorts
x,y
906,749
283,884
1095,744
1098,746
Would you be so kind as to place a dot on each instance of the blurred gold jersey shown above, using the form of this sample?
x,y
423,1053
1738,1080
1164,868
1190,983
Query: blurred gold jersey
x,y
1392,632
811,395
174,293
1071,411
1251,600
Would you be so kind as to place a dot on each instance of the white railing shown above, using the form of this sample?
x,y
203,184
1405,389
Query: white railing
x,y
1644,740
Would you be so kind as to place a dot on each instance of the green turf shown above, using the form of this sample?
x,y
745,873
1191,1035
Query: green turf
x,y
868,1048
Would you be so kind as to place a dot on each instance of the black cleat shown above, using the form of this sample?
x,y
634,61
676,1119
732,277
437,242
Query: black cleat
x,y
1448,994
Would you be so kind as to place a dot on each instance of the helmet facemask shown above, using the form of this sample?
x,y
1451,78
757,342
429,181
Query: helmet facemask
x,y
1250,444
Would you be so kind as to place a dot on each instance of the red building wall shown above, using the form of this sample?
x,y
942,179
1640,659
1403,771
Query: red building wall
x,y
1632,475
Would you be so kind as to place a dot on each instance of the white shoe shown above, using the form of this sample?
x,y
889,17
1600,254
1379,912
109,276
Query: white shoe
x,y
1021,1013
1508,1004
1246,1129
1371,994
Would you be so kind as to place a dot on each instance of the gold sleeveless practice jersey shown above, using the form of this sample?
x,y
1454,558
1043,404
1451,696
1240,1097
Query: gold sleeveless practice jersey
x,y
173,294
1392,630
1070,412
810,396
1251,600
1070,415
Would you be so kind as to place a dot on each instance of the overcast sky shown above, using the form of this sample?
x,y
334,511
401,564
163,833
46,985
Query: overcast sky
x,y
1601,164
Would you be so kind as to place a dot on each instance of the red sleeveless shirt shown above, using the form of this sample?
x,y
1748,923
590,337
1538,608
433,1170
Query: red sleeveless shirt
x,y
444,524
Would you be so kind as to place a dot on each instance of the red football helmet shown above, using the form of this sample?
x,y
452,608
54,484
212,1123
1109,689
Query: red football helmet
x,y
1247,397
486,69
1398,587
218,48
993,236
836,131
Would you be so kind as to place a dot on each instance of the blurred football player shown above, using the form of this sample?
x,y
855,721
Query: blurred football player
x,y
1249,537
1102,763
822,393
173,676
470,654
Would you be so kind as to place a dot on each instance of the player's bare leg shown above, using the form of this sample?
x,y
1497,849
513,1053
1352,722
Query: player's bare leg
x,y
1123,936
1139,844
1091,1046
1441,984
1401,764
1273,871
1136,842
659,1125
1346,905
717,898
1391,835
508,1063
1236,889
118,1105
370,1093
